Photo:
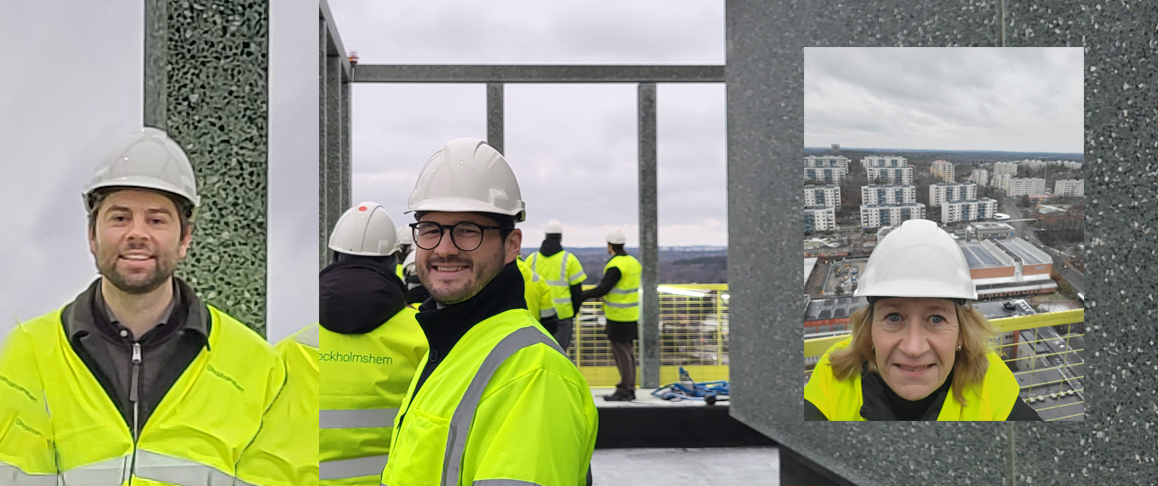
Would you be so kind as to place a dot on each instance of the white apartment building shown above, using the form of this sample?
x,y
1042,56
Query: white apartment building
x,y
877,215
1071,165
892,175
819,218
888,194
827,196
1070,187
1024,187
1005,168
999,180
829,175
968,210
941,192
884,161
827,161
943,169
980,177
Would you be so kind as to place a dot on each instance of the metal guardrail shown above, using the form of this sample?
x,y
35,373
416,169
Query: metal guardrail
x,y
693,320
1042,351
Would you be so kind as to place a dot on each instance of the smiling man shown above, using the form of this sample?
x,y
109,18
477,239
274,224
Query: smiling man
x,y
137,380
496,400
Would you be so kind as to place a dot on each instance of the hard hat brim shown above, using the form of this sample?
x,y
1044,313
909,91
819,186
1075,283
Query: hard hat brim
x,y
464,205
142,182
917,289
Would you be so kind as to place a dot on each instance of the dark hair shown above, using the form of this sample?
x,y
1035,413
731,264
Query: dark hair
x,y
97,198
388,261
616,247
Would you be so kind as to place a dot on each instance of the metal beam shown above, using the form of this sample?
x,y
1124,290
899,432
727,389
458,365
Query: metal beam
x,y
495,133
334,47
648,238
420,73
156,79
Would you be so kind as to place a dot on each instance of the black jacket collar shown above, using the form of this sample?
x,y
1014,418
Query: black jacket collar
x,y
879,402
358,295
88,315
444,327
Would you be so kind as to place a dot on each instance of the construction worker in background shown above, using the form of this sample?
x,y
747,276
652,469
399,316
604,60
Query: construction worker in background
x,y
137,380
619,289
416,294
370,348
538,297
496,401
405,240
564,275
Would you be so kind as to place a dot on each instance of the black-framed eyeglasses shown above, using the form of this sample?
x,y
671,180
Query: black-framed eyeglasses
x,y
466,236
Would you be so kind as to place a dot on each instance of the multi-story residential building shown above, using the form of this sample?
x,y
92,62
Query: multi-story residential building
x,y
1024,186
968,210
828,175
943,170
884,161
1005,168
827,196
891,175
819,218
827,161
877,215
980,177
1070,187
888,194
941,192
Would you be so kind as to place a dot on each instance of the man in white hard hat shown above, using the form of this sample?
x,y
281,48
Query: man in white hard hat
x,y
367,348
564,275
137,379
496,400
619,289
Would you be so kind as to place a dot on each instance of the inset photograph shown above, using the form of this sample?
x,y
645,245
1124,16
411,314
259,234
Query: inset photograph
x,y
943,235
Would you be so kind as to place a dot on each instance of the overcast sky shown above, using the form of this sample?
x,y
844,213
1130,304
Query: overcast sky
x,y
74,93
572,147
77,95
1007,99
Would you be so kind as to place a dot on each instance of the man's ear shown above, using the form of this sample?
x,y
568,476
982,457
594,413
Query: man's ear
x,y
514,245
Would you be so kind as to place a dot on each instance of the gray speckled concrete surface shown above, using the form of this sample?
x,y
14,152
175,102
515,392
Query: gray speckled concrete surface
x,y
214,88
1116,443
748,466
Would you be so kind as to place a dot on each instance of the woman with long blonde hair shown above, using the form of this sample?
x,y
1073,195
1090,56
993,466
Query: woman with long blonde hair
x,y
917,350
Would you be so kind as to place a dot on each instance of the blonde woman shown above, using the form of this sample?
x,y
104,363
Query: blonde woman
x,y
917,351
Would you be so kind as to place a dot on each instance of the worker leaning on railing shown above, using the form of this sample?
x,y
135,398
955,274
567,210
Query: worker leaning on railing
x,y
917,352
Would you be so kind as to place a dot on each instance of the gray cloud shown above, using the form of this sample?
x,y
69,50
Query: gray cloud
x,y
573,147
1017,99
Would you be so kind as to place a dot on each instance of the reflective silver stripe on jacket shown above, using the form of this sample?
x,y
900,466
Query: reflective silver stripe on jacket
x,y
109,472
621,306
464,413
503,482
152,466
309,336
352,468
168,469
355,419
548,312
562,300
13,475
625,291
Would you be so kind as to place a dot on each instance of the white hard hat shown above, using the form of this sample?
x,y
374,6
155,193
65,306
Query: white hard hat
x,y
917,259
553,227
467,175
365,230
405,236
151,160
616,237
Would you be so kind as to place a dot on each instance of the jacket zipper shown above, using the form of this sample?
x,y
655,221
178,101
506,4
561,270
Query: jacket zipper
x,y
134,397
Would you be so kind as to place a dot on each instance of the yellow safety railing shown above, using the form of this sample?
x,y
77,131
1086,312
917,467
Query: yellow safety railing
x,y
1042,350
693,320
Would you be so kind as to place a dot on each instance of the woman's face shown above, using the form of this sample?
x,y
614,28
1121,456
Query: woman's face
x,y
915,342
